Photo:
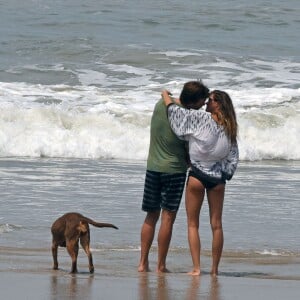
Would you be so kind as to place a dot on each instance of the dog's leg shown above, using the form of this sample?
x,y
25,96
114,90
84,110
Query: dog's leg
x,y
72,247
54,254
85,243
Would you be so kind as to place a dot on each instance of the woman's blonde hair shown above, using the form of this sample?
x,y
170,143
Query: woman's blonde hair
x,y
226,115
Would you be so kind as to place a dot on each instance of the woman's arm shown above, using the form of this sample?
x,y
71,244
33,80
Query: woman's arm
x,y
166,97
229,164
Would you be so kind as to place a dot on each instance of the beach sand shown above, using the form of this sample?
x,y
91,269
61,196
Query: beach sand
x,y
55,285
27,274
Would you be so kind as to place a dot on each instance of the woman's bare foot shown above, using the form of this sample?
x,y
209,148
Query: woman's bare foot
x,y
194,272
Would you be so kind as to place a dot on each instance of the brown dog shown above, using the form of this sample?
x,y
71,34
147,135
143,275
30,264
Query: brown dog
x,y
67,231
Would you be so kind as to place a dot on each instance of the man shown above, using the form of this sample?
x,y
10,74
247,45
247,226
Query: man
x,y
165,176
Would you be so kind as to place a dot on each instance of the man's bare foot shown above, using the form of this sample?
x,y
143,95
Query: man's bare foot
x,y
162,270
214,273
143,268
194,272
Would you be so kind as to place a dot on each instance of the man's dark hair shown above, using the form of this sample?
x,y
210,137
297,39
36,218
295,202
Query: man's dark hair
x,y
192,92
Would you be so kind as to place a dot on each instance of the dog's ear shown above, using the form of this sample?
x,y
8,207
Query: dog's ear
x,y
83,226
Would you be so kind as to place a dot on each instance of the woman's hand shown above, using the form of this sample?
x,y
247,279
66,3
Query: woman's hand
x,y
165,94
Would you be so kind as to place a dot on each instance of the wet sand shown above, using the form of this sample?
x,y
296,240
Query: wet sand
x,y
61,285
27,274
261,257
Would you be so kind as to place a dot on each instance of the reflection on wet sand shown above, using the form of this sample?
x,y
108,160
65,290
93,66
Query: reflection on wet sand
x,y
144,287
71,286
154,287
164,287
193,290
214,291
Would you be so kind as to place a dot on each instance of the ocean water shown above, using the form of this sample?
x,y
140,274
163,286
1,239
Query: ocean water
x,y
75,74
261,217
78,83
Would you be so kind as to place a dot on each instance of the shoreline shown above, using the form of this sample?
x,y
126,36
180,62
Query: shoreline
x,y
61,285
254,264
29,272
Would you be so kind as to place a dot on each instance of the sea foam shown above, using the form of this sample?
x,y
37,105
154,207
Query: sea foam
x,y
113,120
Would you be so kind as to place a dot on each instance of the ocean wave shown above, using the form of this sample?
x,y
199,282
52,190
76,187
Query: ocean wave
x,y
262,255
5,228
50,132
105,248
88,121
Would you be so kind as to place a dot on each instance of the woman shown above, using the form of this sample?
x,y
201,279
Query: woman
x,y
213,150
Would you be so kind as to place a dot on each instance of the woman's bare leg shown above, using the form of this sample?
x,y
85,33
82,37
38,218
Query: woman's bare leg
x,y
215,201
195,192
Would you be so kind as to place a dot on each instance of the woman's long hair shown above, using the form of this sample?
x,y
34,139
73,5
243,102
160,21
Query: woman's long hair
x,y
226,115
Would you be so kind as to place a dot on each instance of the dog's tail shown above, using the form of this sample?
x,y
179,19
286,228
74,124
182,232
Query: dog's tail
x,y
97,224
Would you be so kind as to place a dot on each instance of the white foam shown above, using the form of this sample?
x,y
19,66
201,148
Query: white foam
x,y
5,228
52,132
179,53
129,69
87,77
101,121
273,253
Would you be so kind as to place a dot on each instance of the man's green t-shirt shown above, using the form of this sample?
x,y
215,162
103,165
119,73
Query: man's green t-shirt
x,y
167,153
